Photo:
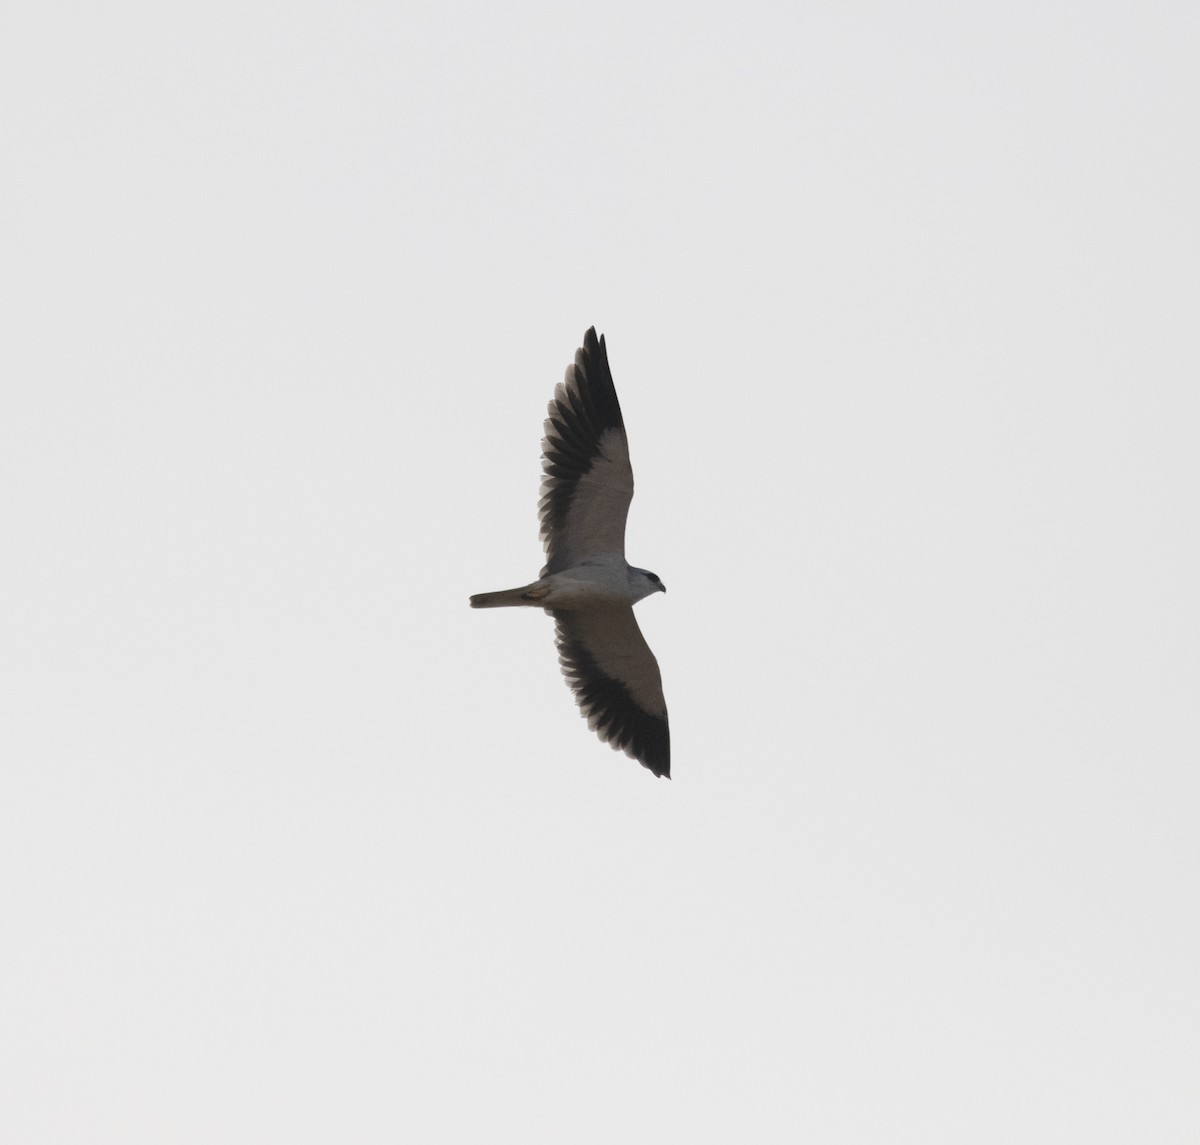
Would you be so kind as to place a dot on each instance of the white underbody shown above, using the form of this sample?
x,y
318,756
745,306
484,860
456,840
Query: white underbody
x,y
595,583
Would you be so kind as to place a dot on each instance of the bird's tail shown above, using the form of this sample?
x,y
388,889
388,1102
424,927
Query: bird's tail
x,y
509,598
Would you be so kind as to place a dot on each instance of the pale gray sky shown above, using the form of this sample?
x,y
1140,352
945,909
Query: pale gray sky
x,y
901,304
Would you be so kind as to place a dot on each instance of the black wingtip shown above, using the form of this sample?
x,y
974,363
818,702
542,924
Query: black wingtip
x,y
658,767
595,344
598,392
650,744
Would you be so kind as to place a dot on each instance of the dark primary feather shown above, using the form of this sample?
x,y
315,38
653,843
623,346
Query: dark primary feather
x,y
583,410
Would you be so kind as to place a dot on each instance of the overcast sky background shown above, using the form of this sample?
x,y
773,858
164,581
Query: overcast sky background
x,y
901,303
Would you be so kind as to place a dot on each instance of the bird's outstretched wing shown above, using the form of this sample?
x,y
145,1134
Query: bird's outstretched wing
x,y
587,483
616,682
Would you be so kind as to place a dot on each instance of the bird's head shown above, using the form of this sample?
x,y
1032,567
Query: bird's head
x,y
646,582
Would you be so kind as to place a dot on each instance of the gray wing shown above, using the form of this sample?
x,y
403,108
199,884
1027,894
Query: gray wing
x,y
587,483
616,682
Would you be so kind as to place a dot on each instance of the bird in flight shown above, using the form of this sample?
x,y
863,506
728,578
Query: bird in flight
x,y
587,585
